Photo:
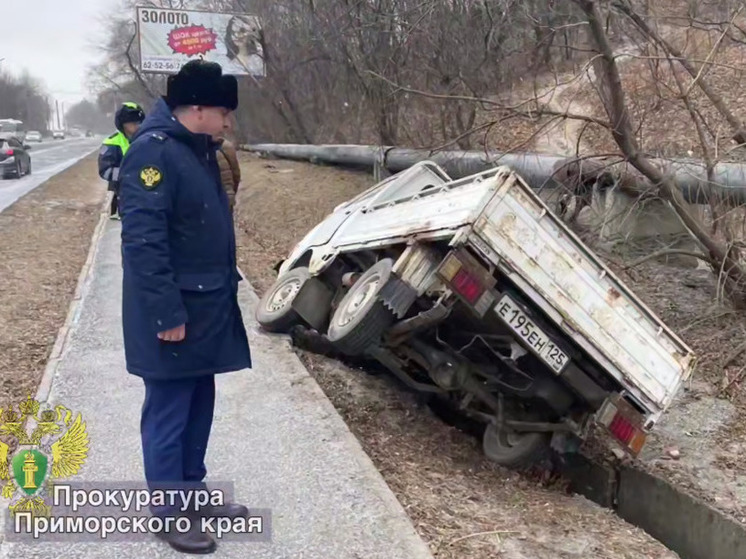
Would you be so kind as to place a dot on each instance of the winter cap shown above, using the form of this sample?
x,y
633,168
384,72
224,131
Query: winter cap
x,y
202,83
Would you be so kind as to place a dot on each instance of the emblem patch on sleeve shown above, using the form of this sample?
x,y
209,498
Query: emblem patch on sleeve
x,y
150,176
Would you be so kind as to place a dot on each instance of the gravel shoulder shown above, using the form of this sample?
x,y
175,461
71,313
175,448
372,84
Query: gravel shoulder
x,y
44,242
461,504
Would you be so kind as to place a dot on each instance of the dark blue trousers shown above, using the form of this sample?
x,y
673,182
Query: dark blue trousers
x,y
175,429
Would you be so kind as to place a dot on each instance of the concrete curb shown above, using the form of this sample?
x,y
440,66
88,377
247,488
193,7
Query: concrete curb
x,y
60,344
303,377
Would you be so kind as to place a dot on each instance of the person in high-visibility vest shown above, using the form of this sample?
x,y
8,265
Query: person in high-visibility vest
x,y
127,120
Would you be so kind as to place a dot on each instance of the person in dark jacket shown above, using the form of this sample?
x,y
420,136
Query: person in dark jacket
x,y
127,120
230,170
181,320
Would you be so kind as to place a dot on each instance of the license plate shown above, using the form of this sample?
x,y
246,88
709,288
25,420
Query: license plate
x,y
534,338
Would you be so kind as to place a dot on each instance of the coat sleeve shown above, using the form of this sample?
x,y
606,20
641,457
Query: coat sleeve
x,y
146,210
232,157
109,161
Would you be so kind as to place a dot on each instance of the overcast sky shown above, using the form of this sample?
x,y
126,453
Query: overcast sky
x,y
54,40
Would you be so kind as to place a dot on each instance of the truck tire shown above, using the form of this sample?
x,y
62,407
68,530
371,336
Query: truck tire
x,y
275,313
361,318
517,451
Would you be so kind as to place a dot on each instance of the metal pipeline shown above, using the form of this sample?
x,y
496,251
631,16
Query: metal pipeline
x,y
538,170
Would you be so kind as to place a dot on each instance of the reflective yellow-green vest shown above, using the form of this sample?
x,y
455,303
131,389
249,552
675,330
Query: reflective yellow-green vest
x,y
118,139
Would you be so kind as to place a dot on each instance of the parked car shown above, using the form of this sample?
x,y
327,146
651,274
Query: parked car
x,y
474,292
33,136
58,135
15,160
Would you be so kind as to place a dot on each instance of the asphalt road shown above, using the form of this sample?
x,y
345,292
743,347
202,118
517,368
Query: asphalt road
x,y
47,159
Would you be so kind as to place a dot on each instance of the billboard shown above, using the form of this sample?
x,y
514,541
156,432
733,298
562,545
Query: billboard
x,y
170,38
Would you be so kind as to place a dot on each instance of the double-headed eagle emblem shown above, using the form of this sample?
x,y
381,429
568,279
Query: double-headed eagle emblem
x,y
25,465
151,176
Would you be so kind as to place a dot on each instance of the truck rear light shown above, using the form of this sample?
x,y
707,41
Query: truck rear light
x,y
624,423
468,286
9,152
469,280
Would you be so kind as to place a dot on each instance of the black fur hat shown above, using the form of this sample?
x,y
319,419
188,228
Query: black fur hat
x,y
202,83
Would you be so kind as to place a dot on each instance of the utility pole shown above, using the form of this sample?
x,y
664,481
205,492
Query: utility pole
x,y
57,104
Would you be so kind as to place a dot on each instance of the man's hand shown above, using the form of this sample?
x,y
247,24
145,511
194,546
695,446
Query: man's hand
x,y
174,335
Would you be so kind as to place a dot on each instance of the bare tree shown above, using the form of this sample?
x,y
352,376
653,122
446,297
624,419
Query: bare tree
x,y
726,259
23,98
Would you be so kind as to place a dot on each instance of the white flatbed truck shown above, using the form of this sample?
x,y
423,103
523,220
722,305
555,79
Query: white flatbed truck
x,y
473,290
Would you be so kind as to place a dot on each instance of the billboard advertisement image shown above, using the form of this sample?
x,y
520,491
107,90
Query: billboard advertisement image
x,y
170,38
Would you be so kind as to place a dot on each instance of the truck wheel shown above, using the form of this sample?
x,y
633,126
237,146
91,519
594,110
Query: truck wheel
x,y
275,313
515,450
360,318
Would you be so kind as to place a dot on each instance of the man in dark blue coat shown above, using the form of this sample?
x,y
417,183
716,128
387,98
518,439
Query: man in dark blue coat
x,y
181,320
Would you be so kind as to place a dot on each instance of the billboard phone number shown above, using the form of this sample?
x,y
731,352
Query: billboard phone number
x,y
156,65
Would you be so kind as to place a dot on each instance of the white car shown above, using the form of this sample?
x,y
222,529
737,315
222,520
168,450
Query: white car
x,y
58,134
33,136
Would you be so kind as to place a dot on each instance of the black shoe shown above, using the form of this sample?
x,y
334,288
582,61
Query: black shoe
x,y
228,510
194,541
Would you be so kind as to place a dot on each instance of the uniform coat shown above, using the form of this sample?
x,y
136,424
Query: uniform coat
x,y
178,255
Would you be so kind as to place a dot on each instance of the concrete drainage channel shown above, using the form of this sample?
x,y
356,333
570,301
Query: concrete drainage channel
x,y
683,523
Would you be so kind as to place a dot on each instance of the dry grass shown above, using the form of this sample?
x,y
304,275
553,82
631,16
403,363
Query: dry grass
x,y
44,240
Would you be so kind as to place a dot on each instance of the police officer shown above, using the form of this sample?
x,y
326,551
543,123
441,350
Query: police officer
x,y
127,120
181,320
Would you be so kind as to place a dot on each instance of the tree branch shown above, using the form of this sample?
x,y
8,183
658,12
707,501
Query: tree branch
x,y
669,252
135,71
496,104
613,98
739,132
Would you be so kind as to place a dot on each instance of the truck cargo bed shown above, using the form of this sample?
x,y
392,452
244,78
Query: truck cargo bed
x,y
556,270
499,215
